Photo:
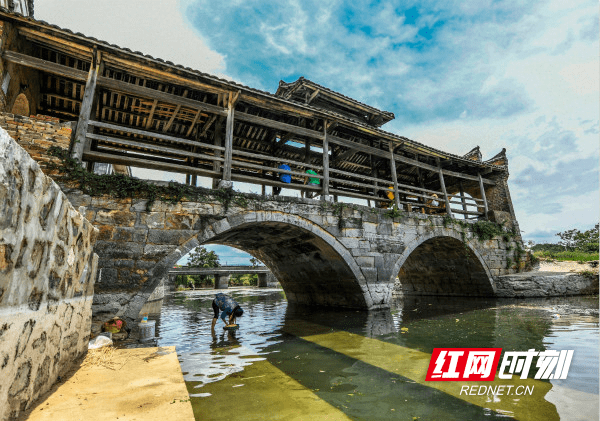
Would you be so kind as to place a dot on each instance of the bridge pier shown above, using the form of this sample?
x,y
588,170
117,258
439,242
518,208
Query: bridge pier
x,y
263,280
171,282
222,281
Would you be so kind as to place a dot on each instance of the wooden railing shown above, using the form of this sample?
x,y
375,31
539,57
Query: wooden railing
x,y
263,169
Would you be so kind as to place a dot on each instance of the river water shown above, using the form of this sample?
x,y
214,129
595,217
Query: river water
x,y
297,363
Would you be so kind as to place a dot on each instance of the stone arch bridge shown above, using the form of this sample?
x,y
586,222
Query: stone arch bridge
x,y
322,253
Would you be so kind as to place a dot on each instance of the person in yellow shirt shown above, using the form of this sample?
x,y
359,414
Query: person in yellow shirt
x,y
386,194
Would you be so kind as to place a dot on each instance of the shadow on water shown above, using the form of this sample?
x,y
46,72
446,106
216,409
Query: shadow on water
x,y
289,362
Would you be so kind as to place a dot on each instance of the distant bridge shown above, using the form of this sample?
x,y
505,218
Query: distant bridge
x,y
222,274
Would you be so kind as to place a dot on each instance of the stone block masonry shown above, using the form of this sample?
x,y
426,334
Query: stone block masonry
x,y
36,134
47,274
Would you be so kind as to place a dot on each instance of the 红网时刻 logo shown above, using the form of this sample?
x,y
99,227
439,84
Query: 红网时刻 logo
x,y
480,364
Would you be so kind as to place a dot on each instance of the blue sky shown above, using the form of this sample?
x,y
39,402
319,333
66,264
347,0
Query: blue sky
x,y
519,75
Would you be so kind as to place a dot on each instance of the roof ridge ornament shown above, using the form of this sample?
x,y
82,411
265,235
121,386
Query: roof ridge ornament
x,y
499,159
474,154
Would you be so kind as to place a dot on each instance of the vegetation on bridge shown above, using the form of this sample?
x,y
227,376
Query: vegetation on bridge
x,y
122,186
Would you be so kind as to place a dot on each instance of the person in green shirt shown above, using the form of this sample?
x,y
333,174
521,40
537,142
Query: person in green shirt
x,y
311,181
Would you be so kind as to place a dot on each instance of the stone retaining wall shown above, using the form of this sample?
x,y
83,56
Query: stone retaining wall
x,y
47,273
36,134
545,284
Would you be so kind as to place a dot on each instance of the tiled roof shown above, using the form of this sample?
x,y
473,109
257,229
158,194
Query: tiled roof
x,y
302,80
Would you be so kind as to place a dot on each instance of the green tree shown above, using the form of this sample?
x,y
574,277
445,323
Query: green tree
x,y
587,241
574,239
254,261
568,238
202,258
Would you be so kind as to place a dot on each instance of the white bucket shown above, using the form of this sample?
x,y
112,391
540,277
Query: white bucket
x,y
147,330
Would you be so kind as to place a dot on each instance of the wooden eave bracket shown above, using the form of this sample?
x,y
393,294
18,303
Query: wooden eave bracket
x,y
313,96
234,97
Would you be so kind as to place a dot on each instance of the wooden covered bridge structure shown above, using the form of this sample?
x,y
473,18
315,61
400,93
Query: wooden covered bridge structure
x,y
135,110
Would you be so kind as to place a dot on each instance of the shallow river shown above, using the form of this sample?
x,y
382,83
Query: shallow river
x,y
289,363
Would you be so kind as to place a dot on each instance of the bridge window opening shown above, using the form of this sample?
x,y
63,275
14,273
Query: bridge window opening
x,y
469,207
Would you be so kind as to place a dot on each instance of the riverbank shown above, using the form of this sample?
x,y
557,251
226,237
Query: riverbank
x,y
549,265
124,384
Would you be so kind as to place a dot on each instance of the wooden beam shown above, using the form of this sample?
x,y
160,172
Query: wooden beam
x,y
240,116
207,126
152,134
313,96
481,187
80,140
43,65
146,163
144,92
194,121
282,141
149,121
158,148
383,154
175,112
343,156
443,185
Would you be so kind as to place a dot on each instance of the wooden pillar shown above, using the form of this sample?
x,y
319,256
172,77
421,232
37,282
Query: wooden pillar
x,y
374,175
421,182
394,174
462,197
325,194
218,141
81,143
485,205
228,139
307,151
306,193
441,174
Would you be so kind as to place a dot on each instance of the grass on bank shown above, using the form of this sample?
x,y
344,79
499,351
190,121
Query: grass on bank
x,y
577,256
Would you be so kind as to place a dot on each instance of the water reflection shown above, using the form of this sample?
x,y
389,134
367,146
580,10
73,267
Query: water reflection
x,y
302,357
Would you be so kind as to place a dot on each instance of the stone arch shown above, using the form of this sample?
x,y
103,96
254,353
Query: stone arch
x,y
21,105
440,263
312,266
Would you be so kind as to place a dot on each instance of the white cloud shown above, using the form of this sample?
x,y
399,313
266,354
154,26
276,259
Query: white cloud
x,y
154,27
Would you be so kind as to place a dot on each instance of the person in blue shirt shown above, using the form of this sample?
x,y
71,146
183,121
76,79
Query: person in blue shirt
x,y
284,178
229,308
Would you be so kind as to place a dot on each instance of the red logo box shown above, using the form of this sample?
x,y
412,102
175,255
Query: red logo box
x,y
463,364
